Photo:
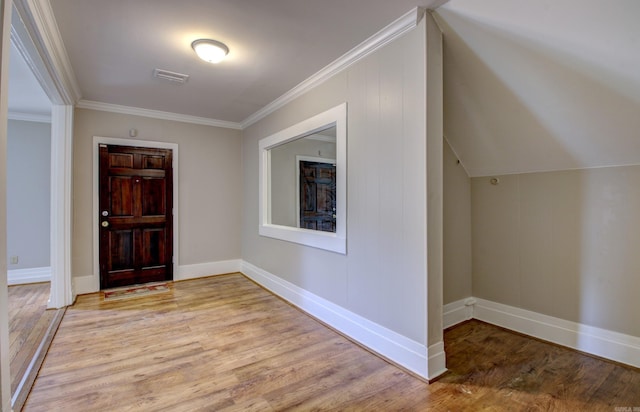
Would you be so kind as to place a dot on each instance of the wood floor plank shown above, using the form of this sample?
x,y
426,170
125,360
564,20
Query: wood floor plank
x,y
31,328
225,344
28,322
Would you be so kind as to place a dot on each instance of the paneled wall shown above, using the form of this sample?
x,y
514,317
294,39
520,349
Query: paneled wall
x,y
383,276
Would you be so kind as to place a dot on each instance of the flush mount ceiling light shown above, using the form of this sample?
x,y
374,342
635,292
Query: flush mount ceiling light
x,y
211,51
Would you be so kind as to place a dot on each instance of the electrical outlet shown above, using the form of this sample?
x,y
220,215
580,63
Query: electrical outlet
x,y
13,260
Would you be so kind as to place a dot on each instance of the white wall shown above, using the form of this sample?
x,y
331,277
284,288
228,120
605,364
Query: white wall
x,y
209,187
383,276
457,229
563,244
28,193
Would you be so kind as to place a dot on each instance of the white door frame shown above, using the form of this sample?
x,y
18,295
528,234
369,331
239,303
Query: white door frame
x,y
35,34
61,205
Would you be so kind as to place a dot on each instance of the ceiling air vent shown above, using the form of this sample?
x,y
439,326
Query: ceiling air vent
x,y
170,76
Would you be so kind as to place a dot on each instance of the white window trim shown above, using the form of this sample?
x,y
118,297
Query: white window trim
x,y
334,242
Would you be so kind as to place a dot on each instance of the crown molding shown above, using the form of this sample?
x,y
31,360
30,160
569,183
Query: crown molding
x,y
30,117
39,35
394,30
156,114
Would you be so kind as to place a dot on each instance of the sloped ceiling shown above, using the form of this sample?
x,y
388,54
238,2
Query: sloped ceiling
x,y
541,85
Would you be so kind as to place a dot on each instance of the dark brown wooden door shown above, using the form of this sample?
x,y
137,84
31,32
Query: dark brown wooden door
x,y
318,196
136,222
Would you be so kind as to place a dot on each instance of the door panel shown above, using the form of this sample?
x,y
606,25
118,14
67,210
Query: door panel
x,y
153,162
153,245
120,160
121,196
121,256
153,196
136,198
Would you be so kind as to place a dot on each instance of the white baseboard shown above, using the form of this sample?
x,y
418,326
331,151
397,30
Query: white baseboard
x,y
208,269
389,344
456,312
91,283
437,360
600,342
29,275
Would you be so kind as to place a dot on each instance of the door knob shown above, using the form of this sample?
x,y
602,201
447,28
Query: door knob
x,y
105,224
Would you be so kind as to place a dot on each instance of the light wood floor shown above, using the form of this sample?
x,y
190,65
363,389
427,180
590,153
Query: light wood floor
x,y
31,329
28,322
224,343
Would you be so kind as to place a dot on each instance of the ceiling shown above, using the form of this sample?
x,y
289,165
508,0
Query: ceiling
x,y
530,85
115,45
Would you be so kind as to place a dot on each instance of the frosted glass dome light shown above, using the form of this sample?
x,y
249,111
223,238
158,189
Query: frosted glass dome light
x,y
211,51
